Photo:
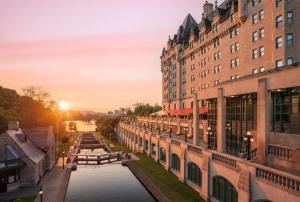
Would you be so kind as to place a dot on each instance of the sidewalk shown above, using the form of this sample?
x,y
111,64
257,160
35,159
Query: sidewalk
x,y
55,184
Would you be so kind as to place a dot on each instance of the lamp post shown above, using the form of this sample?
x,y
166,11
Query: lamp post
x,y
63,159
185,134
41,193
248,139
208,133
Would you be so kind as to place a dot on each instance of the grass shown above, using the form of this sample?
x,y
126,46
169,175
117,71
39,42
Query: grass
x,y
166,181
23,199
117,146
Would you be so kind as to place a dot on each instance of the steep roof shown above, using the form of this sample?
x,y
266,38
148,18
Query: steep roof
x,y
26,145
10,152
185,29
41,137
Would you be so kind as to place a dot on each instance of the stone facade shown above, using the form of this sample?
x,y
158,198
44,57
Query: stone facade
x,y
252,181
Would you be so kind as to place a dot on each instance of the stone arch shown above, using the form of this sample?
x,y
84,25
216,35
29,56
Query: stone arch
x,y
223,190
194,174
175,162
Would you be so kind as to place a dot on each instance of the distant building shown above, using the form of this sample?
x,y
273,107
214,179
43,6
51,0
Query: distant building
x,y
25,156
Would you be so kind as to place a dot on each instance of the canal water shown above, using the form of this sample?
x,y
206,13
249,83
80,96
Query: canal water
x,y
107,182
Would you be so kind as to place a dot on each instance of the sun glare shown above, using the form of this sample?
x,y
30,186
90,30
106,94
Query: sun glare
x,y
63,105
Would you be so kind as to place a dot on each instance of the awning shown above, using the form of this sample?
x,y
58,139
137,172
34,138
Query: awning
x,y
186,111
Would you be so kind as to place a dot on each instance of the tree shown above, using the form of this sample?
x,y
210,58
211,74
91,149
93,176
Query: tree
x,y
141,109
37,93
106,125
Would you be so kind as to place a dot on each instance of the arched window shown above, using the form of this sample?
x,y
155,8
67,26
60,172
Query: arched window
x,y
194,174
175,162
223,190
146,145
153,149
162,154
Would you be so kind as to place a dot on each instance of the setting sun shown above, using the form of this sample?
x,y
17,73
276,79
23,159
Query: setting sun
x,y
63,105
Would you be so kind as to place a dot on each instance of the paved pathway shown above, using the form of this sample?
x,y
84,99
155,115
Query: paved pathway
x,y
55,184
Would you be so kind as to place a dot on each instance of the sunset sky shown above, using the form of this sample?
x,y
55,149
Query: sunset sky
x,y
97,54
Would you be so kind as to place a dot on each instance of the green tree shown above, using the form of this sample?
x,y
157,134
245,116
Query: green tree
x,y
141,109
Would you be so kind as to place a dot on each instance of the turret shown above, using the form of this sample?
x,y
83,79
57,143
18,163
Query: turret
x,y
208,8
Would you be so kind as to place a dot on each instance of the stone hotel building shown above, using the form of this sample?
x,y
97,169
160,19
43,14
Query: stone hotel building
x,y
231,88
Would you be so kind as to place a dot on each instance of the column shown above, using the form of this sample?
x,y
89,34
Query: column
x,y
149,147
157,150
221,121
182,163
195,120
167,166
263,119
178,126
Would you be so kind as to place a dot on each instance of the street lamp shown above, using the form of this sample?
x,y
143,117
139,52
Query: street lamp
x,y
63,159
248,139
209,133
41,193
170,130
185,134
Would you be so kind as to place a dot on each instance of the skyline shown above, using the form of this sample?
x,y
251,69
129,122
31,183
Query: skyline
x,y
84,53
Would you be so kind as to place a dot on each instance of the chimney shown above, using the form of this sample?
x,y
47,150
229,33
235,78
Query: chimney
x,y
13,125
207,9
242,10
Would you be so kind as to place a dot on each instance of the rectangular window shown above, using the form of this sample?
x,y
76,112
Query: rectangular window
x,y
279,42
255,71
278,2
261,69
290,40
254,54
290,61
279,21
262,33
261,51
290,17
261,15
254,18
279,63
254,36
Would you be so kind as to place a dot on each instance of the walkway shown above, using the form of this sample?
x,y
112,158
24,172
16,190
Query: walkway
x,y
55,184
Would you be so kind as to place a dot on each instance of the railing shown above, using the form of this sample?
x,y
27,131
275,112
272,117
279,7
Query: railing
x,y
280,151
194,149
252,154
285,182
175,143
224,160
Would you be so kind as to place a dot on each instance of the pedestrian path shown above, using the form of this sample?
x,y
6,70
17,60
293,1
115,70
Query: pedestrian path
x,y
55,184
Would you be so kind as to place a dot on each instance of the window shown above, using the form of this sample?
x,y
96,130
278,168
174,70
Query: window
x,y
290,40
290,61
254,54
255,71
278,2
232,17
217,69
254,36
279,42
254,18
261,69
261,51
223,190
175,162
193,67
285,116
153,149
193,78
212,123
234,32
194,174
261,15
290,17
240,118
279,63
217,82
146,142
162,154
254,2
279,21
262,33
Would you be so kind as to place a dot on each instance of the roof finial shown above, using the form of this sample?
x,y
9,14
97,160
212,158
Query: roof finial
x,y
216,3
